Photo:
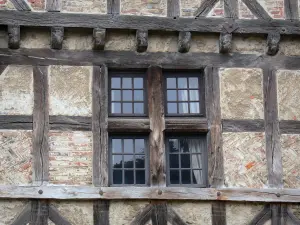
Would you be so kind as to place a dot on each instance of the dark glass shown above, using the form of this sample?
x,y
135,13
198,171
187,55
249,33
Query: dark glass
x,y
117,161
174,161
173,145
140,177
139,161
184,145
185,161
186,176
117,177
128,161
174,176
129,179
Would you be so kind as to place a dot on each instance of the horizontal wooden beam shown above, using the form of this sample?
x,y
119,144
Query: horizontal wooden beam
x,y
243,125
51,19
155,193
289,127
186,125
128,125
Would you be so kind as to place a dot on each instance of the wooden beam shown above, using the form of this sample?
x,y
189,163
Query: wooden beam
x,y
128,125
21,5
184,41
273,40
291,9
214,25
173,8
39,212
174,218
113,7
292,217
99,36
225,42
276,214
143,216
53,5
205,7
15,122
101,212
262,217
40,124
13,36
56,218
243,125
141,40
70,123
159,215
257,9
57,37
157,126
186,125
289,127
24,216
231,9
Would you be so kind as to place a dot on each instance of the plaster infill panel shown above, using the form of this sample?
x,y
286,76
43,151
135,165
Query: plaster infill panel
x,y
245,162
70,90
35,38
144,7
78,39
87,6
120,40
162,42
241,93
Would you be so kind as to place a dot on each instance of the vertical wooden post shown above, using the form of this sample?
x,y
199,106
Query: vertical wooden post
x,y
173,8
100,140
53,5
231,9
214,141
39,212
291,9
113,7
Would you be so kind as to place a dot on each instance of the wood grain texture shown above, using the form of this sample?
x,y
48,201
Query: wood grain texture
x,y
68,123
53,5
262,217
24,216
218,212
128,125
21,5
272,135
273,40
292,217
39,212
157,126
40,124
100,121
13,36
186,125
225,43
99,36
16,122
291,9
101,212
141,40
143,216
276,214
243,125
174,218
288,127
113,7
205,7
173,8
159,215
57,37
56,218
184,41
257,9
231,9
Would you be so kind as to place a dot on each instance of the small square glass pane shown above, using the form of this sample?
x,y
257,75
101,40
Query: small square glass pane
x,y
129,178
186,176
127,108
128,145
183,107
139,146
174,161
174,176
117,161
138,82
116,107
193,82
140,177
117,177
173,146
126,82
116,82
139,108
194,95
128,161
183,95
116,145
138,95
171,83
196,161
194,107
172,108
139,161
116,95
172,95
185,161
127,95
197,176
182,82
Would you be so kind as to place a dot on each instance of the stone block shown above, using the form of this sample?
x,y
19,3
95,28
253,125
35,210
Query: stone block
x,y
78,39
241,93
70,157
70,90
245,162
120,40
87,6
162,42
245,44
205,43
144,7
9,210
289,45
35,37
37,5
16,90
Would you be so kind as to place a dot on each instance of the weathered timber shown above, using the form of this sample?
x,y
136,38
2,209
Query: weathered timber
x,y
273,152
292,217
157,126
288,127
2,68
262,217
24,216
205,7
99,35
141,40
276,214
13,36
186,125
231,9
218,212
159,214
53,5
100,121
143,216
273,40
101,212
39,212
184,41
257,9
21,5
113,7
243,125
215,25
57,37
40,124
225,42
56,218
173,8
128,125
70,123
291,9
174,218
15,122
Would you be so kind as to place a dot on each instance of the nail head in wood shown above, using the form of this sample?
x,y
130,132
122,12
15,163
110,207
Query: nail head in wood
x,y
57,37
278,195
101,192
99,35
13,36
141,40
225,42
40,192
218,194
159,192
184,41
273,41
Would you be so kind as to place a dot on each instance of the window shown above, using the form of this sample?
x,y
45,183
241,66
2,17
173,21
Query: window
x,y
184,94
127,94
129,160
185,160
